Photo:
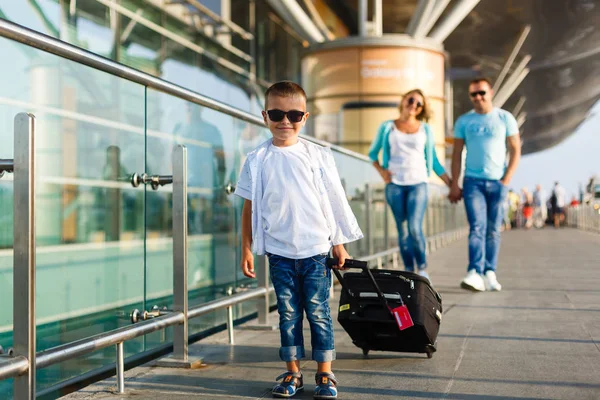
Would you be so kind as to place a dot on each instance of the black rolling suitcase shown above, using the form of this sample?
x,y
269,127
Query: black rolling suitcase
x,y
367,301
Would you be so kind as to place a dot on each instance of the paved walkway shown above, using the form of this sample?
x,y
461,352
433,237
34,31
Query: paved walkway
x,y
537,339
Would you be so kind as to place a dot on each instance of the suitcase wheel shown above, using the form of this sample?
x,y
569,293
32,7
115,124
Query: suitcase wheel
x,y
429,350
365,351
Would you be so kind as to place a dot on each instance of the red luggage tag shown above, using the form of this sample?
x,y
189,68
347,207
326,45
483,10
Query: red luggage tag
x,y
402,317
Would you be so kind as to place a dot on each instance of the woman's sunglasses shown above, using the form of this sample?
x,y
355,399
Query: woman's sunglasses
x,y
480,92
412,100
294,116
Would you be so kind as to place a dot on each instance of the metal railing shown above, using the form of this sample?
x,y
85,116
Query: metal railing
x,y
11,366
22,361
24,340
119,336
585,217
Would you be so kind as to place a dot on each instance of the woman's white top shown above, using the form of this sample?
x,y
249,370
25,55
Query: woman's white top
x,y
407,157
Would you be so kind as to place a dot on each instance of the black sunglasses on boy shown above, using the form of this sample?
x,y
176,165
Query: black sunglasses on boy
x,y
294,116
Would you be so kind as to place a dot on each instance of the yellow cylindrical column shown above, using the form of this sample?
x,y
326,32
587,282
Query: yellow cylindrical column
x,y
356,83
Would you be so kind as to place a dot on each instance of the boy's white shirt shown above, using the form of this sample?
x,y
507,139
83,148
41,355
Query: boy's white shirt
x,y
294,225
341,221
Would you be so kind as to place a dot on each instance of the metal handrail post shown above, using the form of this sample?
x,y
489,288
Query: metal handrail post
x,y
230,331
369,219
180,261
180,357
120,368
24,252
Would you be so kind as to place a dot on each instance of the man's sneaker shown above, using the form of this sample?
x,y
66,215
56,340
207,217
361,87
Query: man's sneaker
x,y
491,283
291,384
424,274
326,386
473,281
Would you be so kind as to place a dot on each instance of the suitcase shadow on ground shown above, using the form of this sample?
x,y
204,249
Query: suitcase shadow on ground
x,y
378,355
450,290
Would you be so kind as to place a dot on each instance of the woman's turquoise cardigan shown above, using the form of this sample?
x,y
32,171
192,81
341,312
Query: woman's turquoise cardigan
x,y
382,140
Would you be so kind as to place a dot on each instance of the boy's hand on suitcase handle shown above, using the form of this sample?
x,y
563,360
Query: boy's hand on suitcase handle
x,y
248,264
340,255
350,263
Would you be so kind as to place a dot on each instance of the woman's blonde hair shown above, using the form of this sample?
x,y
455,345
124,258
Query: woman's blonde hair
x,y
425,113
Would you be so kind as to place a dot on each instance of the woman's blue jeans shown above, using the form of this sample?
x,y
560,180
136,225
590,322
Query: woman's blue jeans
x,y
408,204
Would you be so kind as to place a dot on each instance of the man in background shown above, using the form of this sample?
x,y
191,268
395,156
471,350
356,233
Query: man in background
x,y
559,201
487,132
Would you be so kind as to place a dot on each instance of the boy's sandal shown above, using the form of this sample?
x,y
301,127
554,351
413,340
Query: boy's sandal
x,y
326,386
291,383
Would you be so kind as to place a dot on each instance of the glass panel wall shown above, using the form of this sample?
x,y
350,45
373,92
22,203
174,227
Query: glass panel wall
x,y
216,145
89,219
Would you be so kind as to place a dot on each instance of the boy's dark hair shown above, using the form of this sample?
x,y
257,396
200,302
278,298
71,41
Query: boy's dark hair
x,y
284,89
482,79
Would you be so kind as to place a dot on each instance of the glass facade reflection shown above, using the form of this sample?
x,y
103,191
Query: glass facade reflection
x,y
174,42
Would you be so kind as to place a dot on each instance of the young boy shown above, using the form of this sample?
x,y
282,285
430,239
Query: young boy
x,y
295,210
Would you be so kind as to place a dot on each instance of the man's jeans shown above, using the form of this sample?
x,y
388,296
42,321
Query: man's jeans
x,y
303,285
408,203
483,202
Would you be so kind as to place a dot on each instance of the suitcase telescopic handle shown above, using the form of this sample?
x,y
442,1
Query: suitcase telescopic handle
x,y
350,263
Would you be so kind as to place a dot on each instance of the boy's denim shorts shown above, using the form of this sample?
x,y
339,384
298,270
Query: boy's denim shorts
x,y
303,286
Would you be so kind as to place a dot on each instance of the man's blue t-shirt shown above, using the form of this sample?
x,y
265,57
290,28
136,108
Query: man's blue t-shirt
x,y
485,140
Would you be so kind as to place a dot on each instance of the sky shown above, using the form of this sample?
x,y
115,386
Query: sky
x,y
571,163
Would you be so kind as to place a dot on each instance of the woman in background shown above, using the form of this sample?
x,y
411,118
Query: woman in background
x,y
409,156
